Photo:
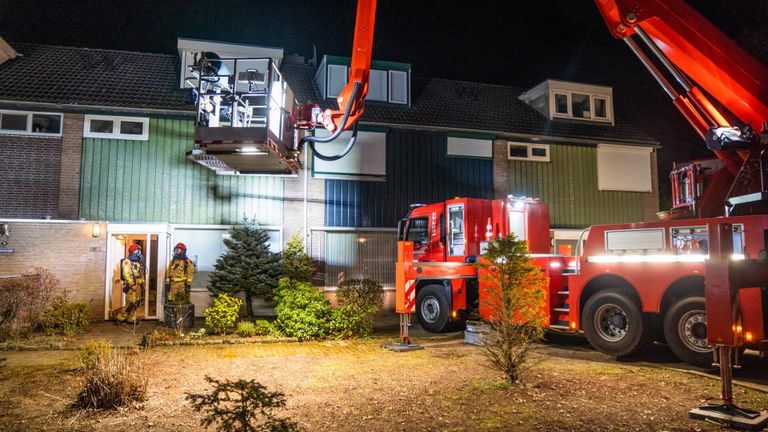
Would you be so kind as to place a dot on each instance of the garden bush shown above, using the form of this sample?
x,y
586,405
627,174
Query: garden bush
x,y
297,264
246,329
223,315
360,301
93,353
241,406
264,328
66,317
256,328
302,310
113,381
348,322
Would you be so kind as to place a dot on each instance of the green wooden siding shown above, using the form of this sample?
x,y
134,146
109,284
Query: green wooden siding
x,y
568,183
152,181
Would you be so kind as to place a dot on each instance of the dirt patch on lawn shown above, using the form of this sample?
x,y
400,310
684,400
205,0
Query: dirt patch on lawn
x,y
352,386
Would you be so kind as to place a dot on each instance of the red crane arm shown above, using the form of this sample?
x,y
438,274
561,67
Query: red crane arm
x,y
353,95
699,49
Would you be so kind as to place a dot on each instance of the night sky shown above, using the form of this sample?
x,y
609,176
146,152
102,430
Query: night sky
x,y
518,43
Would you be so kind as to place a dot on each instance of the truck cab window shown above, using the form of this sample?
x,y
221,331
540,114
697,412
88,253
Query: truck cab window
x,y
417,231
456,238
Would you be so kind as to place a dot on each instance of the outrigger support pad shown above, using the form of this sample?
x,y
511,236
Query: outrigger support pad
x,y
405,344
727,413
731,416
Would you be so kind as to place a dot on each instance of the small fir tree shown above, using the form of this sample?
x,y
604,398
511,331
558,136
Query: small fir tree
x,y
516,299
297,264
248,266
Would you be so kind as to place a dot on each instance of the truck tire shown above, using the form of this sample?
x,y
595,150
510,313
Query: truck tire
x,y
614,324
432,308
685,328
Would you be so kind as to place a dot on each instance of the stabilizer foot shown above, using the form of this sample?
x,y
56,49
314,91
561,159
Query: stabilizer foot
x,y
731,416
402,347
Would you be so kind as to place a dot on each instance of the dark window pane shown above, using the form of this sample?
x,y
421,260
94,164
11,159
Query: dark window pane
x,y
561,103
539,152
600,108
46,123
13,122
417,231
518,151
102,126
131,128
580,105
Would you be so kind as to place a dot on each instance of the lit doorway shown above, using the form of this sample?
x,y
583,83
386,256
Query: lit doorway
x,y
153,239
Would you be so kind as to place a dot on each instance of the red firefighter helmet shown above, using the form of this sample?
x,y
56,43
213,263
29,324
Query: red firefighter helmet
x,y
133,247
181,246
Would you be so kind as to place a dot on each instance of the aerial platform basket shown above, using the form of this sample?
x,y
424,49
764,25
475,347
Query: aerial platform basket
x,y
244,117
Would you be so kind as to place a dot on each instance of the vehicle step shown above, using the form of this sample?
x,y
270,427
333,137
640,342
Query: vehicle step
x,y
562,292
559,327
559,309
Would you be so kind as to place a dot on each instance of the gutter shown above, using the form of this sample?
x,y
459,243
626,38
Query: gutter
x,y
533,138
74,108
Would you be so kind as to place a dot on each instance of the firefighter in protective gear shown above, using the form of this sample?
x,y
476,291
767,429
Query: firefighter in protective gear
x,y
133,275
179,275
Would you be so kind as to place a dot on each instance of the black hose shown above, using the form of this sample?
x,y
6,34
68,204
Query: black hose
x,y
311,140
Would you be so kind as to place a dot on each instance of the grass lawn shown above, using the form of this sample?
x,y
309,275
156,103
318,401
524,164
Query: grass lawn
x,y
355,385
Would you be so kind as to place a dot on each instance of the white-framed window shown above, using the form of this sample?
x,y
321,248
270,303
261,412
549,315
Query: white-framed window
x,y
127,128
31,123
377,85
398,87
527,151
337,79
581,105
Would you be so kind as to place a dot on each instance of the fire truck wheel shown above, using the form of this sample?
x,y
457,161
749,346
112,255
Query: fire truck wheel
x,y
614,324
432,308
685,328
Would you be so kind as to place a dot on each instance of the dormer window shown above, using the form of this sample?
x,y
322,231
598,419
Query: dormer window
x,y
387,82
580,106
570,100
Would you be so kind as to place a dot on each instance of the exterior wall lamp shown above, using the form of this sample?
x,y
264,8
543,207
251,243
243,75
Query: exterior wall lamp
x,y
96,230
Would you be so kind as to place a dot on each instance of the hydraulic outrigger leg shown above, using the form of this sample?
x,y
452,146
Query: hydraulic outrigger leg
x,y
723,280
727,412
405,340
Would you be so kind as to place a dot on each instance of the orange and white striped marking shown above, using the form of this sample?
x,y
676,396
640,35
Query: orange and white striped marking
x,y
410,296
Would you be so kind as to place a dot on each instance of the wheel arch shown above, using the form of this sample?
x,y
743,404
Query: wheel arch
x,y
444,283
686,286
609,281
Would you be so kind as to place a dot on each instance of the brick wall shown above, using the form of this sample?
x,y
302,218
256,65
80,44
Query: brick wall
x,y
69,177
29,176
500,166
68,250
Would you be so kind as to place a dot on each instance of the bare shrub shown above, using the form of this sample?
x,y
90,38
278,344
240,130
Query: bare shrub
x,y
241,406
113,380
516,298
24,300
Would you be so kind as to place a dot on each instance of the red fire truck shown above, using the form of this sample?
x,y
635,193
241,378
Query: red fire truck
x,y
642,281
631,283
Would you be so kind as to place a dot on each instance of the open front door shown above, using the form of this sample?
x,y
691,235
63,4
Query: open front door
x,y
153,240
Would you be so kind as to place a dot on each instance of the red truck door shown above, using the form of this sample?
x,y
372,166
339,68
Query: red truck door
x,y
425,227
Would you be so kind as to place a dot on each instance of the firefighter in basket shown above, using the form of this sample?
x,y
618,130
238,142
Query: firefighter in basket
x,y
133,275
179,276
